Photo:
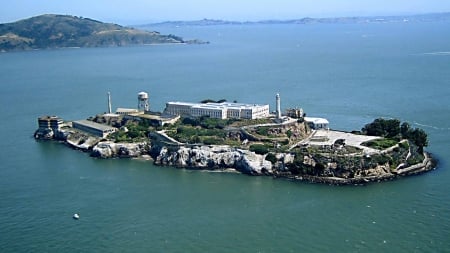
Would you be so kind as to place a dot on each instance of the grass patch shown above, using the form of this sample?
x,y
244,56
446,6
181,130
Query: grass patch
x,y
380,144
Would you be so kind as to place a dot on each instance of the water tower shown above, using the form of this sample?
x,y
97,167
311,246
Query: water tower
x,y
143,104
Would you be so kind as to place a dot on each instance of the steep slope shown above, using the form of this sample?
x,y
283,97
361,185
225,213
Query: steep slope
x,y
57,31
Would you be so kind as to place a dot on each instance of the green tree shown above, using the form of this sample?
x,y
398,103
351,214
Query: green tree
x,y
389,128
404,129
419,137
271,157
259,149
289,133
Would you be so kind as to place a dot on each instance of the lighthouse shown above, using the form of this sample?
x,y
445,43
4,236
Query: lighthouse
x,y
109,102
278,103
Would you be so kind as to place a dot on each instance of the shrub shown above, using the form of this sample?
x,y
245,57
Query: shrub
x,y
259,149
271,157
263,131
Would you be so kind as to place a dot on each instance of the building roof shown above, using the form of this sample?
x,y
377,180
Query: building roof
x,y
316,120
219,106
49,117
129,110
93,124
182,103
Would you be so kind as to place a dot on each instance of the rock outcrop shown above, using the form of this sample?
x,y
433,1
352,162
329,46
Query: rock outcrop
x,y
212,158
109,149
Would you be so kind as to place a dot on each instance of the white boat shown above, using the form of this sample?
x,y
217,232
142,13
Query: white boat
x,y
76,216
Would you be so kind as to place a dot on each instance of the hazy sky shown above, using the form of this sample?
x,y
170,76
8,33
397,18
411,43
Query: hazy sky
x,y
142,11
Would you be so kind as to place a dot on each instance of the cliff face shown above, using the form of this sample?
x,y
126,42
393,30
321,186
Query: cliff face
x,y
108,149
212,157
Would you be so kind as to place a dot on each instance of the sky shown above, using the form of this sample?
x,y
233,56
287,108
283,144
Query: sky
x,y
146,11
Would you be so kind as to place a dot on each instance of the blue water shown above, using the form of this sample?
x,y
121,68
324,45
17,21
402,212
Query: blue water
x,y
349,74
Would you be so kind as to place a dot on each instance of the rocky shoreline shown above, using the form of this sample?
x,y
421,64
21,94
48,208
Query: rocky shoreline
x,y
428,164
223,158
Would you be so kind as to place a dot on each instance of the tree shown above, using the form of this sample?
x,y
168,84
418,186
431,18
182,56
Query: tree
x,y
392,128
419,137
389,128
271,157
375,128
404,129
259,149
289,133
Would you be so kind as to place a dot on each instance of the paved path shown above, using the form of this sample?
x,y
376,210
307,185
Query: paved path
x,y
328,137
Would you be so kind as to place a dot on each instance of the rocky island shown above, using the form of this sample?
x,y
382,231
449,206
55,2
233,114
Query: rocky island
x,y
248,139
64,31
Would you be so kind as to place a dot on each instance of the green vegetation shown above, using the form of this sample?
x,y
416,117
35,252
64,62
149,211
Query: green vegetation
x,y
248,122
263,131
56,31
135,131
207,122
208,100
271,157
260,149
380,144
391,128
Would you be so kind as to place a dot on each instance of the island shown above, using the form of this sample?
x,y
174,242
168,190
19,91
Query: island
x,y
51,31
247,138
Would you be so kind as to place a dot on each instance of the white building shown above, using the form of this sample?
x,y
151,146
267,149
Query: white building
x,y
317,123
223,110
126,111
93,128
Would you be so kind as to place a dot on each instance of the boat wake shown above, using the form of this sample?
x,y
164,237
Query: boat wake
x,y
433,127
438,53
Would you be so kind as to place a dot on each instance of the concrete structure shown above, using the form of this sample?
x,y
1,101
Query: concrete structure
x,y
295,113
223,110
126,111
278,103
109,103
317,123
143,104
93,128
52,122
155,119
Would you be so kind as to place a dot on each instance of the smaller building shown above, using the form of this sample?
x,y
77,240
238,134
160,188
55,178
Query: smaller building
x,y
52,122
154,118
317,123
295,113
126,111
93,128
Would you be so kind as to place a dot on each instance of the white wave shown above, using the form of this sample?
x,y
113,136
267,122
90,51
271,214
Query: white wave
x,y
430,126
438,53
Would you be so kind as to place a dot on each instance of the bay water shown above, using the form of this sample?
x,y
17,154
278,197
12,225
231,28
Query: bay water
x,y
347,73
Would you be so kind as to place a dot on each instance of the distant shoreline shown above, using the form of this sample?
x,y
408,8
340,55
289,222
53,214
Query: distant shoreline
x,y
427,17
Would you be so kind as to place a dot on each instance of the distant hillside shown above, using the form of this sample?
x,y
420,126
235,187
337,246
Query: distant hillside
x,y
337,20
59,31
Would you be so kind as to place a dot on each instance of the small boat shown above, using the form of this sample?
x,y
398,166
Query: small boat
x,y
76,216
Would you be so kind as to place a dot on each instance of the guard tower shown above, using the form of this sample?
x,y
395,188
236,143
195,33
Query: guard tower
x,y
143,104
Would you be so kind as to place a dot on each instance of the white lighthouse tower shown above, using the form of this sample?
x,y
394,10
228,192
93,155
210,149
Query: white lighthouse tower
x,y
109,102
278,103
143,104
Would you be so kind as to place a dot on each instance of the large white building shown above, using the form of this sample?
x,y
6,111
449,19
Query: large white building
x,y
223,110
